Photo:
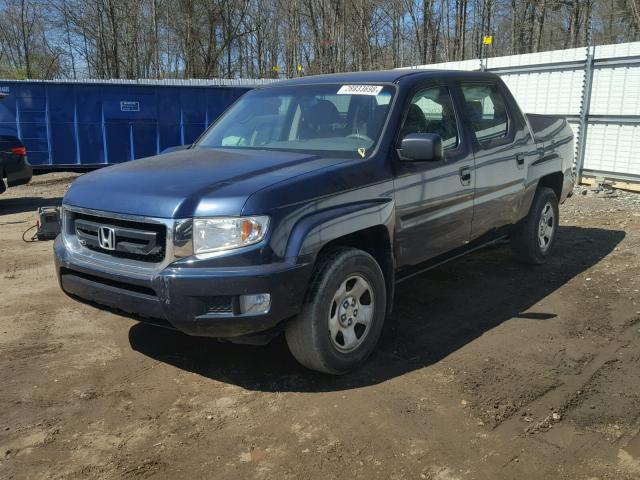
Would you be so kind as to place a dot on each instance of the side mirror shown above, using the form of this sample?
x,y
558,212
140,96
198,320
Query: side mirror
x,y
421,147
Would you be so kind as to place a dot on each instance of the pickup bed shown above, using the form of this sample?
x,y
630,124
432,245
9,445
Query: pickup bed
x,y
308,200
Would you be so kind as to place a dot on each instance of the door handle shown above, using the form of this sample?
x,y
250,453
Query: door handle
x,y
465,175
520,160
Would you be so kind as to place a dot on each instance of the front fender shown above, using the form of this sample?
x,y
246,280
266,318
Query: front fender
x,y
316,229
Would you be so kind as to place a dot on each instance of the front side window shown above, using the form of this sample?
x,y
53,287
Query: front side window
x,y
338,120
431,111
487,111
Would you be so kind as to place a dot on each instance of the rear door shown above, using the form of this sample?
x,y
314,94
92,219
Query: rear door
x,y
434,200
502,146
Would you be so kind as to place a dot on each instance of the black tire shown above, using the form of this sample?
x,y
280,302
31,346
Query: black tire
x,y
309,336
526,241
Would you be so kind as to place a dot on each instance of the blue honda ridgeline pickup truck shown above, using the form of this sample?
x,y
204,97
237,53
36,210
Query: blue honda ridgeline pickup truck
x,y
303,205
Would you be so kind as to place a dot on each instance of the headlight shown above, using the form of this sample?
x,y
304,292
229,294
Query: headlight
x,y
226,233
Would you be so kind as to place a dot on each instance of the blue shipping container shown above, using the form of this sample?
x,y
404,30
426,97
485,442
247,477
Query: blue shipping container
x,y
70,124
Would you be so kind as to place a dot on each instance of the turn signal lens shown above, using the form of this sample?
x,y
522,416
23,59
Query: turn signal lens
x,y
247,228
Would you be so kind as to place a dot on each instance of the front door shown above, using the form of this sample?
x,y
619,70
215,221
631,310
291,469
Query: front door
x,y
434,200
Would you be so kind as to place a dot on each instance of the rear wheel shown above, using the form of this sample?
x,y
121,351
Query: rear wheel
x,y
343,313
534,238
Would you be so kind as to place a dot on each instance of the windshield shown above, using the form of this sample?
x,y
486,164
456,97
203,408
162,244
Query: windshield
x,y
328,119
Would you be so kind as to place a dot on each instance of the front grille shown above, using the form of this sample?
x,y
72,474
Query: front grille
x,y
134,240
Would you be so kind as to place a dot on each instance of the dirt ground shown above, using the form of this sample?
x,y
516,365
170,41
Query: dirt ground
x,y
488,370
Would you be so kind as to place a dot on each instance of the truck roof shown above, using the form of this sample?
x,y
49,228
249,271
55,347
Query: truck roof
x,y
381,76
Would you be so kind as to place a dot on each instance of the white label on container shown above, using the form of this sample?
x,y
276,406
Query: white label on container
x,y
127,106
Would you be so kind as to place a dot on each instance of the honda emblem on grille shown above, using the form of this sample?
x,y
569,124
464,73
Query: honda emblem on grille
x,y
107,238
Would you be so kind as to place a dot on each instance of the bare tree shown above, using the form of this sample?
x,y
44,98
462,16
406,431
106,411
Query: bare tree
x,y
286,38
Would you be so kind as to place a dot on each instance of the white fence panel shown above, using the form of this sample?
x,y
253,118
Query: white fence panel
x,y
616,91
618,50
529,59
532,91
613,148
468,65
575,126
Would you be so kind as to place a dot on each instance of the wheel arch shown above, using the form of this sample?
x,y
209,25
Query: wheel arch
x,y
367,226
554,180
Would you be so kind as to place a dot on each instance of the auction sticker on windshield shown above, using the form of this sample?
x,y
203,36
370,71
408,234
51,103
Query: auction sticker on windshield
x,y
360,90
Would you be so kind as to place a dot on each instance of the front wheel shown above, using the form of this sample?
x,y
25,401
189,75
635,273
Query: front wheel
x,y
535,237
343,313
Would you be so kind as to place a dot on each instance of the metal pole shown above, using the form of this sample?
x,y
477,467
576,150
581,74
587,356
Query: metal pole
x,y
586,104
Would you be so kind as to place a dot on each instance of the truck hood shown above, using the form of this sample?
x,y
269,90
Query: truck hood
x,y
189,183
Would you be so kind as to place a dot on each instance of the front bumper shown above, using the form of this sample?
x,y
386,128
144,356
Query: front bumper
x,y
197,301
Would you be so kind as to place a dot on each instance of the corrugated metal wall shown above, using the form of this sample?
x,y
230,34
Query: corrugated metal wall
x,y
557,83
90,123
614,115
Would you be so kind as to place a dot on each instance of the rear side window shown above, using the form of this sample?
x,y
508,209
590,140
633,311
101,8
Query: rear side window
x,y
487,110
431,111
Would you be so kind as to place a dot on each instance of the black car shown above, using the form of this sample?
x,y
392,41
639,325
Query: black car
x,y
14,166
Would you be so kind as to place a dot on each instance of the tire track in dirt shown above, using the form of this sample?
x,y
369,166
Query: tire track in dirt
x,y
551,407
